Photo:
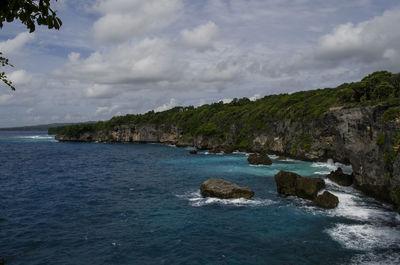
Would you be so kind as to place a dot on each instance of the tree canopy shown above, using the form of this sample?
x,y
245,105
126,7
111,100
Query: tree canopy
x,y
248,116
30,13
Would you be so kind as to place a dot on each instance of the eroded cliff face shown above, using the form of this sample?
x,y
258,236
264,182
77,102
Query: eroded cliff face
x,y
357,136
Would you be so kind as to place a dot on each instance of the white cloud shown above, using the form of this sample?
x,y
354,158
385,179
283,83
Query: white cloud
x,y
130,63
254,97
13,46
167,106
20,78
105,110
123,19
200,38
100,91
74,57
226,100
369,41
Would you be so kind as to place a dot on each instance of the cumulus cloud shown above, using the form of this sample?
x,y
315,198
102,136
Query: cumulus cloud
x,y
149,54
122,19
130,63
200,38
20,78
100,91
106,110
255,97
226,100
166,106
13,46
369,41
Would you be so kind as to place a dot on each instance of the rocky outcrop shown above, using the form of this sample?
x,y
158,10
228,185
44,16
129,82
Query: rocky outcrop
x,y
259,159
226,149
340,178
326,200
224,189
193,152
358,136
289,183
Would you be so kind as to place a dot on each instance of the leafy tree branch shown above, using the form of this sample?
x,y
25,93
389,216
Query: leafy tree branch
x,y
30,13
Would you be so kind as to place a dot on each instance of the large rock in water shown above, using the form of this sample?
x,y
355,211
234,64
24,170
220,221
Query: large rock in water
x,y
290,183
224,189
326,200
340,178
259,159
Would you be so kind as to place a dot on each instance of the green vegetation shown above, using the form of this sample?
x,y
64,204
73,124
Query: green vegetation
x,y
304,142
242,117
390,157
391,113
381,140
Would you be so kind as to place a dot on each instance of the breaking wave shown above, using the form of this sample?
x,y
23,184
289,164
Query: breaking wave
x,y
37,138
333,166
365,237
197,200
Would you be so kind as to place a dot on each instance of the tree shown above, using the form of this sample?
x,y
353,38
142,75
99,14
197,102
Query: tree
x,y
30,13
3,77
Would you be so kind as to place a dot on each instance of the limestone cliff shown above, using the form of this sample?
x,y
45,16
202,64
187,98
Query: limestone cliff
x,y
357,136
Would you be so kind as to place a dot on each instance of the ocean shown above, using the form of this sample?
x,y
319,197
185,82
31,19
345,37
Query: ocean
x,y
101,203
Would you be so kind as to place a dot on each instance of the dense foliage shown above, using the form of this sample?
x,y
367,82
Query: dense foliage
x,y
30,13
249,116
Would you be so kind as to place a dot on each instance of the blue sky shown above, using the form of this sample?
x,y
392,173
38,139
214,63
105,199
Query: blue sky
x,y
113,57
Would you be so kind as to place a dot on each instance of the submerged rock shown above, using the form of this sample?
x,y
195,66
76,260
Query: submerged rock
x,y
224,189
289,183
340,178
193,152
259,159
326,200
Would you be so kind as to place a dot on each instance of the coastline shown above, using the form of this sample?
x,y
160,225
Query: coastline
x,y
348,136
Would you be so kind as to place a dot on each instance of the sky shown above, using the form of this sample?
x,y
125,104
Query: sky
x,y
114,57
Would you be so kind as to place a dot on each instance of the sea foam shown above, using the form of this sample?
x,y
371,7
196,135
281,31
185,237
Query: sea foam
x,y
333,166
197,200
38,138
365,237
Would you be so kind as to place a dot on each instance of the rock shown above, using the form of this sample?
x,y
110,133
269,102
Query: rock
x,y
222,148
193,152
224,189
326,200
289,183
340,178
281,158
259,159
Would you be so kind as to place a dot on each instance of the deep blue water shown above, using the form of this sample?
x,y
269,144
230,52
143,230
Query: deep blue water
x,y
95,203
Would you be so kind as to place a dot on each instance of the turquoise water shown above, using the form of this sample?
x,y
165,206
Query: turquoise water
x,y
95,203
